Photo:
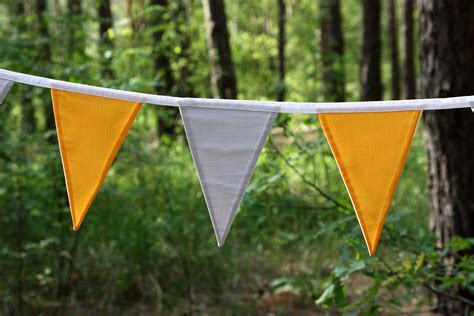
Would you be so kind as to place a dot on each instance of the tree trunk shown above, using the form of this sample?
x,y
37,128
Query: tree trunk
x,y
447,47
409,52
106,43
332,50
134,11
44,55
28,122
184,86
394,56
371,85
165,81
281,91
74,12
223,82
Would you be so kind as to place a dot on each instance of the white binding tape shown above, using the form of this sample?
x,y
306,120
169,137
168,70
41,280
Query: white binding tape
x,y
250,105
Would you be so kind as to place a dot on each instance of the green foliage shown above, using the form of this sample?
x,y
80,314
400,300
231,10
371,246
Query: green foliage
x,y
147,244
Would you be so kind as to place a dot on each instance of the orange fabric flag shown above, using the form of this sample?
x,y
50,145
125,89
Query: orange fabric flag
x,y
90,131
370,150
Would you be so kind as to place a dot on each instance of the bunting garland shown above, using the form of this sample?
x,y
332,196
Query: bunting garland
x,y
225,146
369,140
370,150
5,87
90,132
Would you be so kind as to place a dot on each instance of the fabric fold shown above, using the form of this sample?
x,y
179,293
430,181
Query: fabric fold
x,y
225,145
90,133
5,86
370,150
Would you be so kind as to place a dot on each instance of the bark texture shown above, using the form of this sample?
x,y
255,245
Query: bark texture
x,y
106,44
332,50
281,50
447,50
371,85
394,54
75,39
28,122
223,81
165,81
409,50
183,16
44,56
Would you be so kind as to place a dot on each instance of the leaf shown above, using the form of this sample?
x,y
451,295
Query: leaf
x,y
419,262
406,264
327,295
458,243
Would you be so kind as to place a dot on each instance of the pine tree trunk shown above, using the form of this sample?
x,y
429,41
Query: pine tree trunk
x,y
409,50
281,91
394,55
165,82
332,50
106,43
44,55
184,86
447,50
75,41
28,122
370,72
223,81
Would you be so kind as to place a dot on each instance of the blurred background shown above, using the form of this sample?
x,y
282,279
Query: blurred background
x,y
147,245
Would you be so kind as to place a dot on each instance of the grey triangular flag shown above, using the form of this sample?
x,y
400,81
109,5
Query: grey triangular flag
x,y
225,145
5,86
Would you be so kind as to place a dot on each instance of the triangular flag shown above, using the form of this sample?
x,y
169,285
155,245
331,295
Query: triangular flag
x,y
370,150
225,145
5,86
90,131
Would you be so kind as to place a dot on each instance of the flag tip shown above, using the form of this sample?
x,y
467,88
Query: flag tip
x,y
76,226
372,248
221,239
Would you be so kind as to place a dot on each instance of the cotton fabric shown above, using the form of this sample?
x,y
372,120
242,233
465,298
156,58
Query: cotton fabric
x,y
370,150
225,145
90,132
247,105
5,86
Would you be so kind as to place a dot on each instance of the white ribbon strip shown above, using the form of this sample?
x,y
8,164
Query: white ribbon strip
x,y
250,105
5,87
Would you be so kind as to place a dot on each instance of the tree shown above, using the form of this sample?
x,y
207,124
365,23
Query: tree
x,y
75,40
370,82
106,44
28,122
281,50
332,50
44,54
134,10
409,50
165,81
182,26
223,81
394,55
447,47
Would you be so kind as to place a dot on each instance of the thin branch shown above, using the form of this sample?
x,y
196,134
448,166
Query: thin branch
x,y
303,178
430,287
451,296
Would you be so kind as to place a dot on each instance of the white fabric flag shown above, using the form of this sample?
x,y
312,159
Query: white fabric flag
x,y
5,86
225,145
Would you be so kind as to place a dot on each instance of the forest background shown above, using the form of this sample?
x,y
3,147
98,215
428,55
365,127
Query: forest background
x,y
147,246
